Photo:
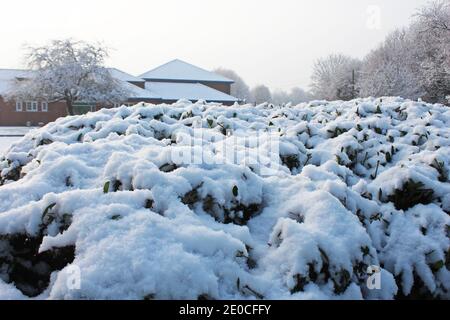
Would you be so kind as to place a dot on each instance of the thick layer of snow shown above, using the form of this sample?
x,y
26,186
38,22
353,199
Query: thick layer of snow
x,y
109,191
121,75
180,70
191,91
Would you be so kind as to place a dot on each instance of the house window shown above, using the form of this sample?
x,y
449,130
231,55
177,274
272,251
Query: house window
x,y
31,106
19,106
44,106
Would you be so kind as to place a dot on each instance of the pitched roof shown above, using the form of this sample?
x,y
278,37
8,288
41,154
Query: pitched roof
x,y
180,70
7,76
121,75
190,91
136,92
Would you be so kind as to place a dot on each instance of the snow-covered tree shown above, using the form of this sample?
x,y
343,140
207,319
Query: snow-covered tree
x,y
435,16
296,95
280,97
239,88
261,94
431,36
413,62
70,71
391,69
335,77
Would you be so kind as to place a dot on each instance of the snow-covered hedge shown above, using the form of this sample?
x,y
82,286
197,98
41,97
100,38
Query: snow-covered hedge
x,y
100,196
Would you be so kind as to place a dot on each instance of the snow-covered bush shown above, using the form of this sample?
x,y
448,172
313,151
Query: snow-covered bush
x,y
359,186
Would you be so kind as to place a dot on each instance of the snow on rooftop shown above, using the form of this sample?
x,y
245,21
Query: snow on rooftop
x,y
139,93
190,91
180,70
7,76
121,75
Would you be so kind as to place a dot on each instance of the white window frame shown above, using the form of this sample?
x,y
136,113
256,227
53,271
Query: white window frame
x,y
44,106
19,106
31,106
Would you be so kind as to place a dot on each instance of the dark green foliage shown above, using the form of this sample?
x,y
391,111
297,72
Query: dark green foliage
x,y
117,185
191,197
388,157
378,110
106,187
336,132
235,191
44,142
375,174
440,168
365,250
378,130
149,204
412,193
149,297
300,283
24,265
436,266
168,167
291,161
12,175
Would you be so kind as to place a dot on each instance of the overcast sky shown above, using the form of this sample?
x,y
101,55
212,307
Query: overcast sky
x,y
270,42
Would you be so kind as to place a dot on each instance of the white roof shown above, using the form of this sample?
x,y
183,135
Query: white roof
x,y
139,93
190,91
180,70
7,77
121,75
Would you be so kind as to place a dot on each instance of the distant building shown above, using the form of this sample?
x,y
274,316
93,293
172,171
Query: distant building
x,y
168,83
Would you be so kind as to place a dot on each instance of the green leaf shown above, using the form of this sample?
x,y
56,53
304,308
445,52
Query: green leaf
x,y
365,250
235,191
149,204
47,210
437,265
106,187
210,122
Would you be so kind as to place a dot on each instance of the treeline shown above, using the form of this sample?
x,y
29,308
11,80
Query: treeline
x,y
412,62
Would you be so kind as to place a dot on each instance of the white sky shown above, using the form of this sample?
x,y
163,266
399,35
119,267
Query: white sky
x,y
265,41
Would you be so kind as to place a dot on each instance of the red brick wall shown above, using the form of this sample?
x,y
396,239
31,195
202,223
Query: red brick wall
x,y
10,117
223,87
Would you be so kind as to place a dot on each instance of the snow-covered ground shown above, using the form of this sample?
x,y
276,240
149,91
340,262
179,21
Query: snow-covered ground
x,y
9,135
6,142
14,131
190,201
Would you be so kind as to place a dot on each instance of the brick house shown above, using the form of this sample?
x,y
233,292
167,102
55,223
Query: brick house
x,y
168,83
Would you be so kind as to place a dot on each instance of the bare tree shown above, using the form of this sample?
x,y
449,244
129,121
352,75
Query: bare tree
x,y
431,36
261,94
391,69
239,88
335,77
435,17
70,71
296,95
